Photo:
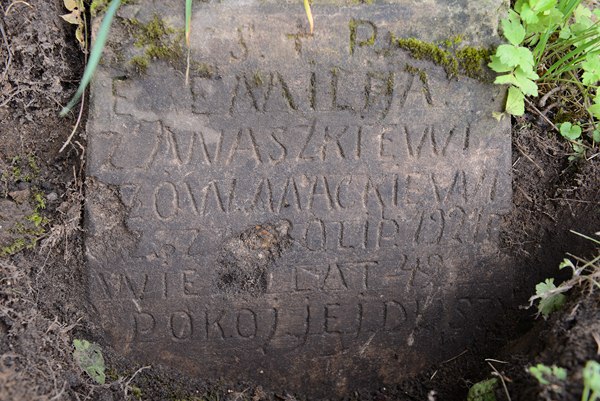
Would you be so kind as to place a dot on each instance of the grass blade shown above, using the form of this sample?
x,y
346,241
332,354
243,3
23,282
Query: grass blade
x,y
188,21
95,55
309,15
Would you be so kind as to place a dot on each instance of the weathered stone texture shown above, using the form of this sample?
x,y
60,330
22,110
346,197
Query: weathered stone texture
x,y
310,212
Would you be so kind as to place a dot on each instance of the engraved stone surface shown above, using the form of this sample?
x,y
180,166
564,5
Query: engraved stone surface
x,y
312,213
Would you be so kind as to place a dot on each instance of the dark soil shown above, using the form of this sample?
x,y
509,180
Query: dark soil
x,y
42,286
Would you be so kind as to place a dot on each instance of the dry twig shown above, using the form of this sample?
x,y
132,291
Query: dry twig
x,y
501,376
16,2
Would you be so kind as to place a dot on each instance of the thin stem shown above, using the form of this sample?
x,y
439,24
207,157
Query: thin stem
x,y
82,105
309,15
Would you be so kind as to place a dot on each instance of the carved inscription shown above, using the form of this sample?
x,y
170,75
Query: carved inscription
x,y
267,327
357,191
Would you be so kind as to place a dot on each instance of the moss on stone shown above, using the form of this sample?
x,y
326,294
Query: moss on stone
x,y
417,72
203,70
466,61
257,79
157,41
429,51
353,24
472,60
140,63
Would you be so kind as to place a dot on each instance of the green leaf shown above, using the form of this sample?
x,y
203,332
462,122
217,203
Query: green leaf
x,y
570,131
596,136
591,68
591,376
545,373
499,66
578,147
508,55
528,71
512,28
515,55
566,263
594,110
483,391
520,80
525,81
89,358
528,14
548,302
515,102
506,79
519,5
565,32
583,16
559,373
546,22
539,6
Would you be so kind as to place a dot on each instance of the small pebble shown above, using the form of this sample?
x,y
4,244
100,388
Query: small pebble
x,y
52,196
20,196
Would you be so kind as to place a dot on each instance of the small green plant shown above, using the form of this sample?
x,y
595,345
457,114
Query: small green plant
x,y
483,390
545,374
586,273
551,297
89,358
552,43
570,131
136,392
591,381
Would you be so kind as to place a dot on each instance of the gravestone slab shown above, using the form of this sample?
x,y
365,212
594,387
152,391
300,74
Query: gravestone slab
x,y
315,213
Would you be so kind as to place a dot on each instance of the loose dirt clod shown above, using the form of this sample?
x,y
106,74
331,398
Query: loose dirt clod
x,y
246,258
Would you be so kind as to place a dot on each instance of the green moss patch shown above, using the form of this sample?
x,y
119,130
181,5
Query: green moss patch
x,y
455,60
417,72
26,223
26,233
155,41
